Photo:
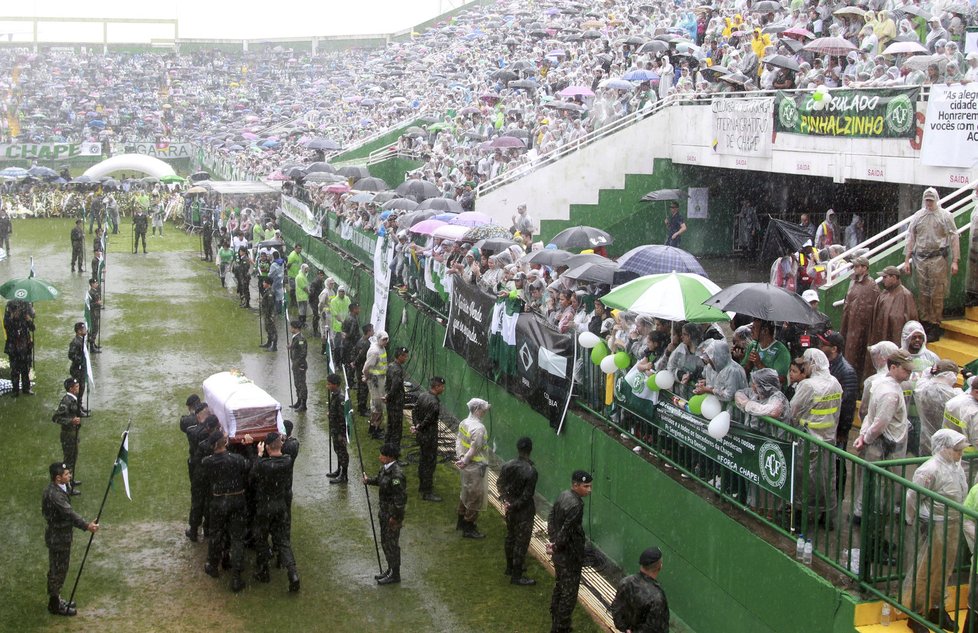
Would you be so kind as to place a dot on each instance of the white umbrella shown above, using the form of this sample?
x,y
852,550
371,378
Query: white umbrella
x,y
904,48
672,296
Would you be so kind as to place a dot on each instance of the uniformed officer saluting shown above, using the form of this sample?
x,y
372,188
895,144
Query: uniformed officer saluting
x,y
297,351
60,517
393,501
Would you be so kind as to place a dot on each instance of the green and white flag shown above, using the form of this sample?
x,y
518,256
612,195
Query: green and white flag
x,y
122,463
88,358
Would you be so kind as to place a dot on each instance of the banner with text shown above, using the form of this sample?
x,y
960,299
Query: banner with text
x,y
363,244
883,113
545,367
300,213
47,152
743,127
468,326
951,127
163,151
762,460
383,257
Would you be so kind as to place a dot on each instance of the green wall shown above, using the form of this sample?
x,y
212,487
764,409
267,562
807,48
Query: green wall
x,y
718,574
392,170
622,213
363,151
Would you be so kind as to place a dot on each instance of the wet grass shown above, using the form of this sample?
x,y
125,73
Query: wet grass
x,y
167,326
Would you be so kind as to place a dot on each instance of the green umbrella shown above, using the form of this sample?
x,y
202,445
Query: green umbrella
x,y
28,289
672,296
171,179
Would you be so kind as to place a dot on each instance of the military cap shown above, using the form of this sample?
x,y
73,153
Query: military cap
x,y
650,556
581,477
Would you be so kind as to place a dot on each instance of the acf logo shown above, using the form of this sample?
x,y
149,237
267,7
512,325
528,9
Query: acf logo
x,y
773,465
788,114
900,114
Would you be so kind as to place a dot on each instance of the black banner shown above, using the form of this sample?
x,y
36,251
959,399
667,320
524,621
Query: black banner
x,y
468,325
544,367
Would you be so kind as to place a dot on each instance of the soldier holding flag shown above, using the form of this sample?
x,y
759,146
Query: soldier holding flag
x,y
60,517
93,310
79,362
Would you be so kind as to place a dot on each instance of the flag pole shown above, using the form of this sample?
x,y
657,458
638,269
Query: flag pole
x,y
105,497
366,491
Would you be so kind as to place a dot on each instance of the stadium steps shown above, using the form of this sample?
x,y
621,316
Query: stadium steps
x,y
868,614
960,340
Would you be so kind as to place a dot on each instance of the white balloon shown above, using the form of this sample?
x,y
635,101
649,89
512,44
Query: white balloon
x,y
588,340
665,379
719,426
711,407
608,364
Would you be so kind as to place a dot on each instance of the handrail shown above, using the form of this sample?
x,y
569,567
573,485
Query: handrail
x,y
640,115
956,204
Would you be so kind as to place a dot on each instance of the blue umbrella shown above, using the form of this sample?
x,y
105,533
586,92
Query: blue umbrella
x,y
14,172
444,217
654,259
640,75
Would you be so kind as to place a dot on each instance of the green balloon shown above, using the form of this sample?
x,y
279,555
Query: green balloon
x,y
599,352
622,360
696,404
817,96
650,383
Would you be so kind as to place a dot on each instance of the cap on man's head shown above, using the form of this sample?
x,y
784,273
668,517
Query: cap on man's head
x,y
901,358
295,324
862,260
581,477
390,450
57,469
891,270
70,382
834,339
810,295
651,556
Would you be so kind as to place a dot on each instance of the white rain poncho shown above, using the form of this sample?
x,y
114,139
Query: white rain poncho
x,y
722,375
923,358
878,354
763,398
471,449
931,394
923,588
961,415
818,398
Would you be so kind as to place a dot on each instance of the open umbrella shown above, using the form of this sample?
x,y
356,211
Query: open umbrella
x,y
671,296
323,145
507,142
441,204
354,172
585,258
427,227
654,259
450,232
471,219
765,301
780,61
617,84
30,289
420,189
904,48
493,244
580,238
552,257
594,272
171,179
400,204
921,62
324,177
835,46
361,196
411,218
38,171
196,191
576,91
321,166
486,231
798,33
783,238
370,184
767,6
915,10
850,11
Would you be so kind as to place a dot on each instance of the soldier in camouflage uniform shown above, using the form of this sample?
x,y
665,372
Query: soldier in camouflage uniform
x,y
77,246
268,312
68,416
337,430
566,533
640,604
60,517
76,354
297,350
395,397
271,477
517,485
393,500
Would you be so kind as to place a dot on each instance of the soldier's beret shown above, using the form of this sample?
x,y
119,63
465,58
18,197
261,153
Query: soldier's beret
x,y
650,556
581,477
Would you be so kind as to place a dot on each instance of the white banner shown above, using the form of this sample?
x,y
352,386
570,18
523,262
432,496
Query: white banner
x,y
383,258
162,151
47,152
951,127
300,213
743,127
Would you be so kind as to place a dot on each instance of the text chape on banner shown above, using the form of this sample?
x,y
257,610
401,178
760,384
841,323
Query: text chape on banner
x,y
48,152
883,113
743,127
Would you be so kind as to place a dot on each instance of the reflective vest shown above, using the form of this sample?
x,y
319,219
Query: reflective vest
x,y
465,436
823,413
380,369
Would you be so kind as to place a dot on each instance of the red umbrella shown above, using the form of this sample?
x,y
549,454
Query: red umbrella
x,y
830,46
508,142
798,33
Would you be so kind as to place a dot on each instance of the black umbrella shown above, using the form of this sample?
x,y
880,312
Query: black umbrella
x,y
581,237
767,6
596,272
415,132
400,204
355,172
413,217
371,184
783,238
384,197
494,244
320,166
655,46
200,175
781,61
552,257
441,204
420,189
765,301
323,144
505,75
585,258
38,171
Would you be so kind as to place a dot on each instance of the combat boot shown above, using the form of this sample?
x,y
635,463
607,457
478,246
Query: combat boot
x,y
293,581
274,347
262,575
382,575
341,479
459,523
302,405
237,582
470,531
266,345
522,581
335,473
57,606
192,535
211,570
393,578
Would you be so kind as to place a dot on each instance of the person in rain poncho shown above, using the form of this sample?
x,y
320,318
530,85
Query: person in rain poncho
x,y
925,583
934,389
855,232
472,452
828,232
971,283
721,376
684,363
857,315
276,272
961,413
876,358
884,430
763,398
815,407
932,239
914,341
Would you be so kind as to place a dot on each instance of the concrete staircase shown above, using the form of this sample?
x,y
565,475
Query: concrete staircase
x,y
960,341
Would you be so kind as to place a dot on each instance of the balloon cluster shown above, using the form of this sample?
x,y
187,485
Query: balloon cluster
x,y
821,98
710,407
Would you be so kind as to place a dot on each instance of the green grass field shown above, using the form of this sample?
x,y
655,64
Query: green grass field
x,y
168,324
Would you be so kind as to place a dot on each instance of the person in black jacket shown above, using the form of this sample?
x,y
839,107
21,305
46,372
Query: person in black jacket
x,y
198,436
395,397
517,484
227,473
60,517
424,425
337,430
565,531
393,501
68,416
832,344
271,477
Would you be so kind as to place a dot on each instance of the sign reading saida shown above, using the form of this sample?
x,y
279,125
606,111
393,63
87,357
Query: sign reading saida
x,y
883,113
